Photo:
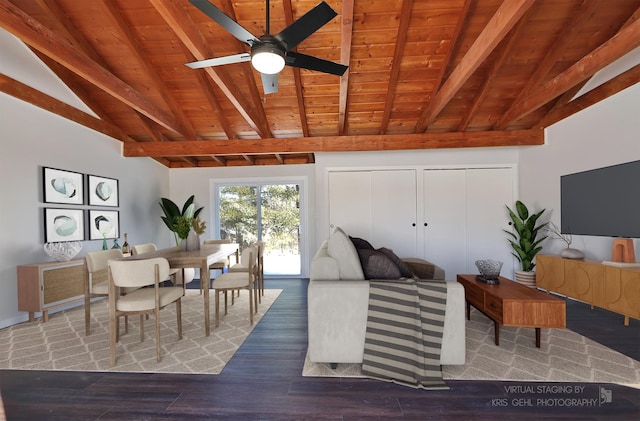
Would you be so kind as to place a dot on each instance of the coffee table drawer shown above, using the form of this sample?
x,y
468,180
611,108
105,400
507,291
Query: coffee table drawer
x,y
493,307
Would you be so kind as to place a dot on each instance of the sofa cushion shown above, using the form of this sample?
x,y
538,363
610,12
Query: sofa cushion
x,y
341,248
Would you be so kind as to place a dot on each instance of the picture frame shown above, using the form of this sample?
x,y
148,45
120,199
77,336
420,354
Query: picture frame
x,y
61,186
63,225
103,224
102,191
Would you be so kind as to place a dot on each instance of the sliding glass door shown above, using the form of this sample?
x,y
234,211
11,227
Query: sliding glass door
x,y
266,212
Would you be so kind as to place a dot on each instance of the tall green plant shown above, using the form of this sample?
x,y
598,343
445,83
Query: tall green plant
x,y
525,242
179,221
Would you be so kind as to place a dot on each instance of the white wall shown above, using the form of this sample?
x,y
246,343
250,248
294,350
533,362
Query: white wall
x,y
607,133
31,138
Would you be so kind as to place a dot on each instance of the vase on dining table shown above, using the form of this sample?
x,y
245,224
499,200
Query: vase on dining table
x,y
192,241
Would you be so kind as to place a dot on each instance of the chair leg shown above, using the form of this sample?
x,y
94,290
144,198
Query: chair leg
x,y
179,313
157,335
256,295
113,327
141,328
251,305
87,314
217,300
225,301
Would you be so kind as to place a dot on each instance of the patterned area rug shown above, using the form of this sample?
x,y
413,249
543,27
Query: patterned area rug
x,y
563,356
61,344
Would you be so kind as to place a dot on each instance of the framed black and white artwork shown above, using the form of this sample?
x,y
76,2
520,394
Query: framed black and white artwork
x,y
60,186
103,224
63,225
102,191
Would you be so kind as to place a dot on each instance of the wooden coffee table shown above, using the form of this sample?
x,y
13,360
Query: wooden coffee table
x,y
512,304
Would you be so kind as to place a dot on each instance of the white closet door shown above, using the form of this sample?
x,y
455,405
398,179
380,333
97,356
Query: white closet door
x,y
489,190
445,212
350,202
394,209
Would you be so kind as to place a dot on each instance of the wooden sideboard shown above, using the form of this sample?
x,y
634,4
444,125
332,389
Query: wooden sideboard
x,y
44,286
610,287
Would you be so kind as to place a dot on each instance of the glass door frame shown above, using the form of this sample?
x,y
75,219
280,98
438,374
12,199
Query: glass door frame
x,y
215,184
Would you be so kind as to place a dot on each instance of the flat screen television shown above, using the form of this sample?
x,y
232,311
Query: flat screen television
x,y
602,202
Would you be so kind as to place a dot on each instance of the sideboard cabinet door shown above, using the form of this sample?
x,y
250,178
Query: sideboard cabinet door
x,y
44,286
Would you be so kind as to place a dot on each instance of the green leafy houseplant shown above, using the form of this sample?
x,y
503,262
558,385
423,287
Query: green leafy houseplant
x,y
525,242
179,221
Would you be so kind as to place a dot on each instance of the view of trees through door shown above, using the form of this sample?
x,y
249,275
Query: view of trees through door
x,y
267,212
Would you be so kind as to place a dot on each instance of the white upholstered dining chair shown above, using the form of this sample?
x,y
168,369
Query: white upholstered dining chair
x,y
221,264
232,281
147,299
96,280
243,266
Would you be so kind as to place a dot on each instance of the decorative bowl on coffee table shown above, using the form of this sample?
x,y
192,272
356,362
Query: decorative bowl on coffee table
x,y
489,270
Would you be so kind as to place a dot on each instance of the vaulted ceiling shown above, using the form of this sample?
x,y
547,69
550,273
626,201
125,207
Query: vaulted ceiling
x,y
422,74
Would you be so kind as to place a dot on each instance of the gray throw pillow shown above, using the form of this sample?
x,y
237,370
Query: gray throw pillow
x,y
404,269
376,265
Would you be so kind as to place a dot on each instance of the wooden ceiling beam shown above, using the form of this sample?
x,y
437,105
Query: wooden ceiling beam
x,y
504,50
617,46
604,91
507,15
302,112
186,30
401,40
346,37
133,43
455,42
61,50
336,143
571,28
70,79
34,97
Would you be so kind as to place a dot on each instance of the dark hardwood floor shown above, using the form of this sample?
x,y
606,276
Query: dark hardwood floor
x,y
263,382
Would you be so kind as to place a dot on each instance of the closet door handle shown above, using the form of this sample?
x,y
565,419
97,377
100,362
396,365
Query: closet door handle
x,y
413,225
425,224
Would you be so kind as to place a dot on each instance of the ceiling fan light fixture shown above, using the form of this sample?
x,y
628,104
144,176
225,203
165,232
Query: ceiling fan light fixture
x,y
267,59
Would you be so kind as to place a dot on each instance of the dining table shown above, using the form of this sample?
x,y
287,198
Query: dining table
x,y
202,259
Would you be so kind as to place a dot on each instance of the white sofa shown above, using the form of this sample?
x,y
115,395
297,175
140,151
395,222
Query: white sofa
x,y
338,298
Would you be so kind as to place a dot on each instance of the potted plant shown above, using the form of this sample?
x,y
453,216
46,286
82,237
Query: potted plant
x,y
525,241
179,221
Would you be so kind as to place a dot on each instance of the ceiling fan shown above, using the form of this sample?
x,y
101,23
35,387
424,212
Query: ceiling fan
x,y
270,53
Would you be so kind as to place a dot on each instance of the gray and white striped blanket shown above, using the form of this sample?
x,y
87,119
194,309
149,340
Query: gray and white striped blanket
x,y
404,332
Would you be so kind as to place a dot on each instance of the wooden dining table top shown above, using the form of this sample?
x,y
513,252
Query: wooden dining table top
x,y
193,258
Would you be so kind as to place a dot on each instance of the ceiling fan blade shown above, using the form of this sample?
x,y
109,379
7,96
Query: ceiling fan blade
x,y
310,22
269,83
314,63
236,58
225,21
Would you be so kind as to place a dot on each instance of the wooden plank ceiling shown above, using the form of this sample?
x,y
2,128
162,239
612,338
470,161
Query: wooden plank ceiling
x,y
422,74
